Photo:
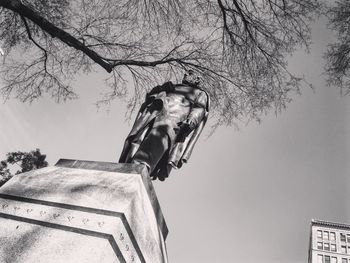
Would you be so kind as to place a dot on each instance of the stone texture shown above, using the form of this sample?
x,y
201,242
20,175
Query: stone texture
x,y
80,211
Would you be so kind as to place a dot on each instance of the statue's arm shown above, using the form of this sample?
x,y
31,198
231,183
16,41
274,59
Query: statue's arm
x,y
198,111
194,118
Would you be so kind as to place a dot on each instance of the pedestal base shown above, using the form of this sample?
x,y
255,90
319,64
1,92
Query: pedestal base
x,y
79,211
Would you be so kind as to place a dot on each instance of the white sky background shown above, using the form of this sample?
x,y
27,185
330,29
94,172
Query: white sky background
x,y
246,196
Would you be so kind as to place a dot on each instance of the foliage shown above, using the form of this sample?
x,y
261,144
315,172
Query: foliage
x,y
27,161
239,46
338,54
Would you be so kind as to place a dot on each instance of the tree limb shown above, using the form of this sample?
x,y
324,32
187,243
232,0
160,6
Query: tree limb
x,y
65,37
36,43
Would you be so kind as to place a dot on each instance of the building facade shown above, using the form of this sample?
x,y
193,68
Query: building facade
x,y
329,242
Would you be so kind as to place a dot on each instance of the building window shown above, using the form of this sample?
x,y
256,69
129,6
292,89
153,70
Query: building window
x,y
320,258
326,246
332,236
348,237
343,260
319,245
327,259
319,233
342,237
333,248
334,260
343,249
326,235
348,249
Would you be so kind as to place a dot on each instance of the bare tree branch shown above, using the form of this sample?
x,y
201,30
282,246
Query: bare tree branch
x,y
240,48
338,54
31,38
24,11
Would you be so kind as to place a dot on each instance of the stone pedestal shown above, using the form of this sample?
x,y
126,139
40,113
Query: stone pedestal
x,y
80,211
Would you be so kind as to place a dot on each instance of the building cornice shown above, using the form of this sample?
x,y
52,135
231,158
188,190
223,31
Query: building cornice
x,y
316,222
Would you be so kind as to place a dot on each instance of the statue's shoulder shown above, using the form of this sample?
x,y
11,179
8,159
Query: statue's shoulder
x,y
167,86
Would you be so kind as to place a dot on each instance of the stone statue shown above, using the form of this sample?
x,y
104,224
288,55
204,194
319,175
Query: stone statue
x,y
167,126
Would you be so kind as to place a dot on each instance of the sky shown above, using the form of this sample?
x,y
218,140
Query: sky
x,y
246,195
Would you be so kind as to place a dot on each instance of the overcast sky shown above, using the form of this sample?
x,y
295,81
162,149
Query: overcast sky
x,y
247,195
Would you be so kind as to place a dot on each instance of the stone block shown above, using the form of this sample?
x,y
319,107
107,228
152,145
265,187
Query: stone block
x,y
81,211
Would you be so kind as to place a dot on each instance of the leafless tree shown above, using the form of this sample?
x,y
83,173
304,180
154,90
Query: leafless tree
x,y
338,54
239,46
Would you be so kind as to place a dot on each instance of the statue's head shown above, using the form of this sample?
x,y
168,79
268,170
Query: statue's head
x,y
192,78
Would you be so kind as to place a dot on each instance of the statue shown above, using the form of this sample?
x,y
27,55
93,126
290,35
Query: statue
x,y
167,126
